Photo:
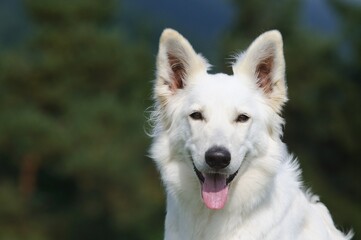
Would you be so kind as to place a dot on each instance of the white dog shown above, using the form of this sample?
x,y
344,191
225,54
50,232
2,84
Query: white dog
x,y
217,146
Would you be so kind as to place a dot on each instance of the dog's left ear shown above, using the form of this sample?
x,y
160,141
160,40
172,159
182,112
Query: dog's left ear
x,y
264,63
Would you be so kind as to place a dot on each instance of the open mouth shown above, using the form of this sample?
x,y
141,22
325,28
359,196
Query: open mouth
x,y
214,188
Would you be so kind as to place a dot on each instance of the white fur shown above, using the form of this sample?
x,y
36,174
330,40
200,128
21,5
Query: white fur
x,y
266,199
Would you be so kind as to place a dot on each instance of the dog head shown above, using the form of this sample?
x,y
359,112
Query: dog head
x,y
217,120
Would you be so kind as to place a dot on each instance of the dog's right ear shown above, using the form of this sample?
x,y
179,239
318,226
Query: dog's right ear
x,y
176,62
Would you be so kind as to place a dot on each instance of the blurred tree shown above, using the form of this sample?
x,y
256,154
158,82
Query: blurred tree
x,y
72,145
322,123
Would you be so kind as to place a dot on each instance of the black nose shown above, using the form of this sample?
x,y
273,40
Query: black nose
x,y
218,157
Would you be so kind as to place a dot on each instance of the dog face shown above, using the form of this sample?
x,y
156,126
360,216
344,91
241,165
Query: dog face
x,y
220,121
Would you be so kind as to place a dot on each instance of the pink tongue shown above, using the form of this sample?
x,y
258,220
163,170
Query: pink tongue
x,y
214,191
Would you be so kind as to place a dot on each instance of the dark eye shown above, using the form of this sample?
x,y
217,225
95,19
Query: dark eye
x,y
242,118
196,116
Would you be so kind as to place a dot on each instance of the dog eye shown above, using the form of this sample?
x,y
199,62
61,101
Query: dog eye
x,y
242,118
196,116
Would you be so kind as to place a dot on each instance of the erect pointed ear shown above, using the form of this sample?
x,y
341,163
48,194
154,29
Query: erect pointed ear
x,y
264,62
176,62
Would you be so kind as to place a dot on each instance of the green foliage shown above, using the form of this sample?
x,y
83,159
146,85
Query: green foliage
x,y
56,13
72,144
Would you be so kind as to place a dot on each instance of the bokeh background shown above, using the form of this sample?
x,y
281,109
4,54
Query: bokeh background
x,y
75,83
